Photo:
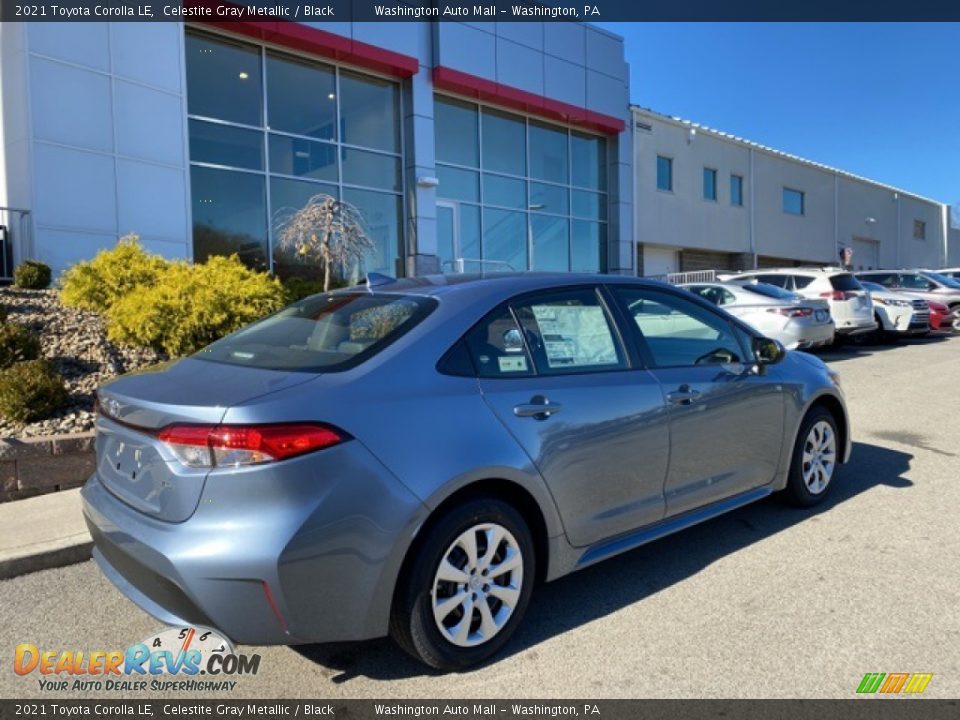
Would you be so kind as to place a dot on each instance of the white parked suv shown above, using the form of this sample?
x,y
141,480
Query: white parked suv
x,y
850,305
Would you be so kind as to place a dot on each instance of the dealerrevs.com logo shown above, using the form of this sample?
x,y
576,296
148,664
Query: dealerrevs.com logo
x,y
189,659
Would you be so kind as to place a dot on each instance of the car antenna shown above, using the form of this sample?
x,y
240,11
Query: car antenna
x,y
377,279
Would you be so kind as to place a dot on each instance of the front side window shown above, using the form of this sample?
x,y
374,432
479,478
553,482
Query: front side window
x,y
911,281
678,332
709,184
664,173
269,131
736,190
323,333
793,201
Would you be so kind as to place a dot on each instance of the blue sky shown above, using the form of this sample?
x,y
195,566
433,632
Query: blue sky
x,y
880,100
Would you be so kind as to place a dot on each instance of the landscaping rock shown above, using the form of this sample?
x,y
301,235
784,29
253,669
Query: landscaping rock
x,y
76,343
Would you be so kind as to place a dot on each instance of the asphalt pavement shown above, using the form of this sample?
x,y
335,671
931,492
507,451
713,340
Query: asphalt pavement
x,y
768,601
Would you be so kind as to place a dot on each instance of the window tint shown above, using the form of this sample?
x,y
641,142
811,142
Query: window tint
x,y
569,331
801,281
736,190
678,332
781,281
709,184
664,173
793,201
497,347
845,282
886,279
771,291
321,333
714,294
911,281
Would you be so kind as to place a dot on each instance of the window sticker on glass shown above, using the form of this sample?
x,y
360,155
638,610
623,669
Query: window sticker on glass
x,y
575,335
512,364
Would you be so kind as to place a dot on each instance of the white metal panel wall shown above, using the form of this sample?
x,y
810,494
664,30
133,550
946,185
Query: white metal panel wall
x,y
107,143
681,217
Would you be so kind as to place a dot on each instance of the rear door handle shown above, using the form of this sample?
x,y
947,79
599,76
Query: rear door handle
x,y
684,395
539,408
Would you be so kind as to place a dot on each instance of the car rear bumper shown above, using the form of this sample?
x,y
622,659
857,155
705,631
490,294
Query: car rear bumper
x,y
306,550
806,336
854,326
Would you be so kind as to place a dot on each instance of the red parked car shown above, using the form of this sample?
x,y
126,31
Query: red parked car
x,y
941,317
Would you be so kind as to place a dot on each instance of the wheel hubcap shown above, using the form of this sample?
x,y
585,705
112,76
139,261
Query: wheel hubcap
x,y
819,457
477,586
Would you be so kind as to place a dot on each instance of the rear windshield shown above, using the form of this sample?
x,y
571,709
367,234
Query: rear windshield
x,y
323,333
771,291
846,282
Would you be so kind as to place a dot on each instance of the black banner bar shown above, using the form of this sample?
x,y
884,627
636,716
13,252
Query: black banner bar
x,y
859,709
490,11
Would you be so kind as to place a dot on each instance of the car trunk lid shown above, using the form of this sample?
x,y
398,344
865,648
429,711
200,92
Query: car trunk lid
x,y
132,462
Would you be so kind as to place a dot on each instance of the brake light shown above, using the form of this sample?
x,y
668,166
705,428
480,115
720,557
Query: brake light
x,y
792,311
838,295
938,307
232,445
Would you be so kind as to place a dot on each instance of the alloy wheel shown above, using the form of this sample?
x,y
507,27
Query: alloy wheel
x,y
477,585
819,457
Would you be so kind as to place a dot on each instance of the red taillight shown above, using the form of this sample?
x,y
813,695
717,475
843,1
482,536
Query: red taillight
x,y
792,311
209,445
938,308
838,295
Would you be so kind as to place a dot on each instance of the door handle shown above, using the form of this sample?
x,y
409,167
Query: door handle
x,y
539,408
684,395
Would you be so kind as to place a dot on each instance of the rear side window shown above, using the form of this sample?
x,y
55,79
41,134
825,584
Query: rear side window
x,y
886,279
497,347
775,280
323,333
711,293
568,331
801,281
845,282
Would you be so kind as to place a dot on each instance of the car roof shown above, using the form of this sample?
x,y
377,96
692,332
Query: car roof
x,y
795,271
493,283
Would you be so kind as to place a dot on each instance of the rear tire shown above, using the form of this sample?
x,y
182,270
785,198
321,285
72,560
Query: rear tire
x,y
816,453
478,558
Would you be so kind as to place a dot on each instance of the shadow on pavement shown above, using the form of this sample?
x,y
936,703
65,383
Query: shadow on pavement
x,y
597,591
849,349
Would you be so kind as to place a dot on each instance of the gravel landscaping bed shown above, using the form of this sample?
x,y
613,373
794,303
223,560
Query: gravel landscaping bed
x,y
76,342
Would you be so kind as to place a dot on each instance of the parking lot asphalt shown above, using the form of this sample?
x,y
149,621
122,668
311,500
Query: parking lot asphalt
x,y
768,601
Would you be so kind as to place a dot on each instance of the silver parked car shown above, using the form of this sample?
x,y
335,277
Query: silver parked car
x,y
412,457
923,283
794,321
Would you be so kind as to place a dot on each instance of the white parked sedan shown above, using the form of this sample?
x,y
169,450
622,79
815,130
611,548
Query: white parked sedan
x,y
795,321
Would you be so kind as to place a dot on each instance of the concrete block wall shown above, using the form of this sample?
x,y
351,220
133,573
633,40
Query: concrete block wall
x,y
35,466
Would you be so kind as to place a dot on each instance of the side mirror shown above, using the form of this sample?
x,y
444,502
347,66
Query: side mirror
x,y
768,351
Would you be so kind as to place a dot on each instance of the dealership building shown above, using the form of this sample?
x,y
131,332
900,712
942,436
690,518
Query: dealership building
x,y
463,146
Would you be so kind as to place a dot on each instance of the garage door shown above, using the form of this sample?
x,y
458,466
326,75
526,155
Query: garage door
x,y
866,254
659,261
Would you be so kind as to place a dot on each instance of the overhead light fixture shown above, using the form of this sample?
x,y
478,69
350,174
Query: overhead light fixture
x,y
244,76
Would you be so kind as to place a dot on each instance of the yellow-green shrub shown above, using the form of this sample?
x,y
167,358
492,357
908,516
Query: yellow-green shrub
x,y
190,306
31,390
97,284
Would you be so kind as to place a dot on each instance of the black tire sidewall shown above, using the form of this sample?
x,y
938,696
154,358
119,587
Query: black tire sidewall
x,y
414,612
797,490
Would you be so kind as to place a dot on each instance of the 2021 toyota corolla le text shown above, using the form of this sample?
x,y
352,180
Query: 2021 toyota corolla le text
x,y
410,458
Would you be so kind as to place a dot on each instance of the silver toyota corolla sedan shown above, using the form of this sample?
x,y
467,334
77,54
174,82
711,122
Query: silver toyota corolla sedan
x,y
412,456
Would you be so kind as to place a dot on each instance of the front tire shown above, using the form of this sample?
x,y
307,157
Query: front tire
x,y
815,456
467,586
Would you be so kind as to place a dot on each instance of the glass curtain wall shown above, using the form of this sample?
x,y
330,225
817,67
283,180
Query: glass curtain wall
x,y
527,194
269,131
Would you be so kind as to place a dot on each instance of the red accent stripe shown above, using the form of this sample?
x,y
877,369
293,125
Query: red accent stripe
x,y
316,42
480,89
273,606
